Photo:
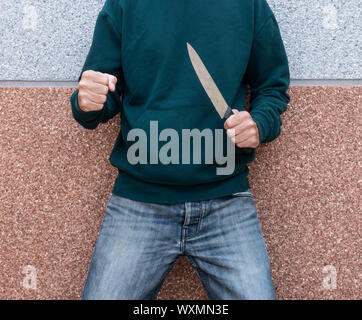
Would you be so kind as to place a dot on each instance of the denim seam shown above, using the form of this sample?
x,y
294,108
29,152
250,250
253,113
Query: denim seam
x,y
202,209
199,273
184,227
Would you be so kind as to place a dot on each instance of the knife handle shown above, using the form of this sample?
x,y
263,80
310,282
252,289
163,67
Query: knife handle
x,y
229,112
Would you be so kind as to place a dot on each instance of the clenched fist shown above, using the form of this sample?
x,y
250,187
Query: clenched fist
x,y
93,88
245,132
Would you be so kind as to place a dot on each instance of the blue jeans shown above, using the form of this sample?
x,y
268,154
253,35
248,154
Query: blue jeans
x,y
139,243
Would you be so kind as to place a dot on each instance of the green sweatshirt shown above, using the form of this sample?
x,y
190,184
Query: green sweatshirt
x,y
143,44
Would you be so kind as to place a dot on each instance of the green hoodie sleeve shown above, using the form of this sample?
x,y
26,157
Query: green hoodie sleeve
x,y
104,56
268,75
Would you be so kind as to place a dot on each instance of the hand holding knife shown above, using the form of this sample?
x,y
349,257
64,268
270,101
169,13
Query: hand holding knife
x,y
212,90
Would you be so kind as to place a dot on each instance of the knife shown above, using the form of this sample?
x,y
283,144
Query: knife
x,y
211,89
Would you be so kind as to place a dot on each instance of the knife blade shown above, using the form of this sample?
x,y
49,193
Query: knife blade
x,y
211,88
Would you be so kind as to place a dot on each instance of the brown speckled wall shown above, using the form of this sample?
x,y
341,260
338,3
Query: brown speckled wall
x,y
55,180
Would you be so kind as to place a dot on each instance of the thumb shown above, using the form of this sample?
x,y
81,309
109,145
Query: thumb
x,y
112,81
235,111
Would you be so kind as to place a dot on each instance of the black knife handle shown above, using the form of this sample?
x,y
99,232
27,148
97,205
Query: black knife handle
x,y
229,112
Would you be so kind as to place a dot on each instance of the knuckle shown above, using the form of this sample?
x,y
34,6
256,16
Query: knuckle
x,y
98,77
82,84
103,77
86,73
244,118
104,90
250,124
241,114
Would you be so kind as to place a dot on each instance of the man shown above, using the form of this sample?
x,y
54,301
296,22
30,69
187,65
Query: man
x,y
162,207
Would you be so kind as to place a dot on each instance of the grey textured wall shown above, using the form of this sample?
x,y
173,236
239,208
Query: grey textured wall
x,y
47,40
